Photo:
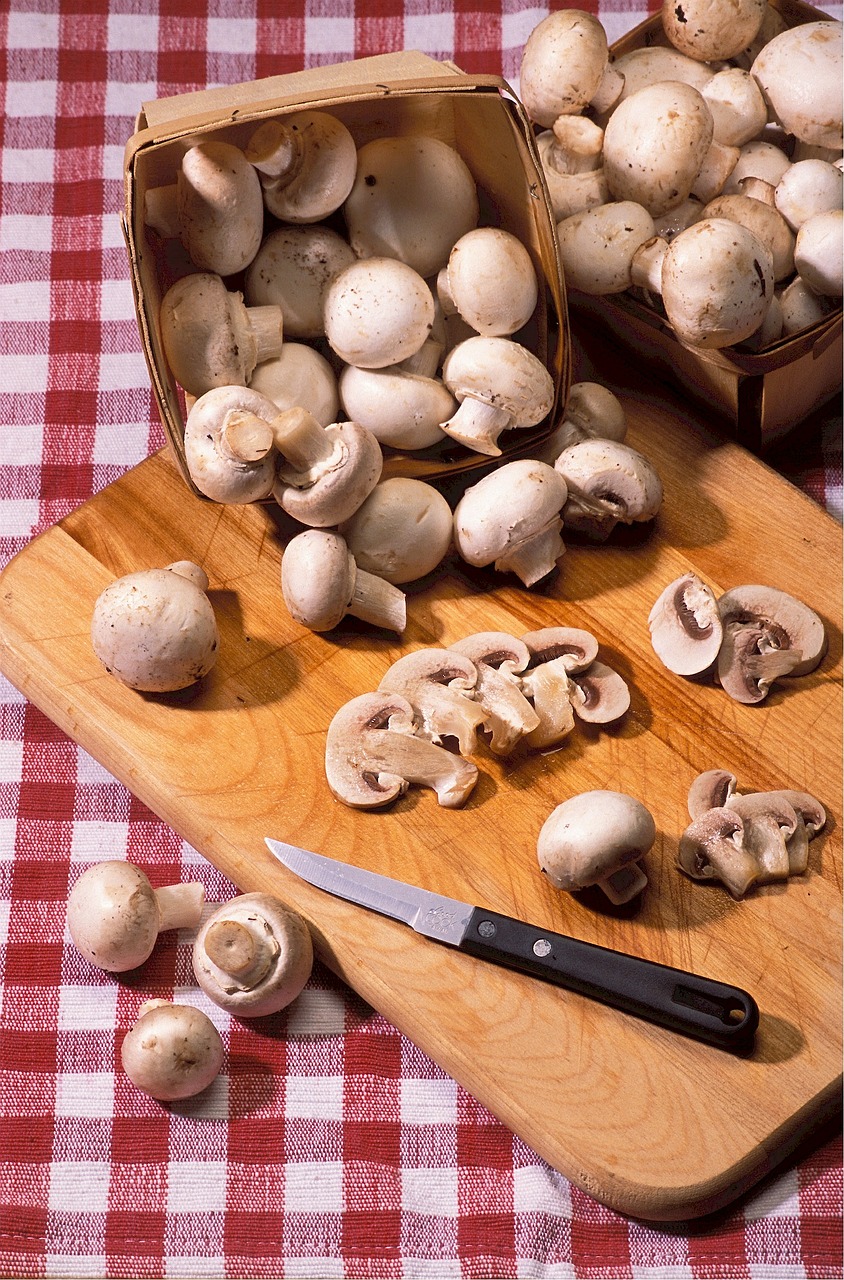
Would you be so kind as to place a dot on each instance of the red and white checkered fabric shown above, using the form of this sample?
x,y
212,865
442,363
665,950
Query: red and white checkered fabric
x,y
329,1146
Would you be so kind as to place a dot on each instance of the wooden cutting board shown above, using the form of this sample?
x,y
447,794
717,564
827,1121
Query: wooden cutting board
x,y
650,1123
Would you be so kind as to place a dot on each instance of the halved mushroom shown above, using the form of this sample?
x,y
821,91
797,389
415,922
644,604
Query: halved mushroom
x,y
711,789
499,657
440,685
712,848
373,754
685,625
767,634
253,955
608,483
597,838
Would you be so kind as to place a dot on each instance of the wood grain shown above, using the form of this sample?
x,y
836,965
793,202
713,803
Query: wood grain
x,y
648,1122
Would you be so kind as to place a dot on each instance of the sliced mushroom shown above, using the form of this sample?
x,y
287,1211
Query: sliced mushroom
x,y
769,823
608,483
440,685
558,654
685,625
373,754
575,647
712,848
253,955
499,657
767,634
599,694
711,789
597,838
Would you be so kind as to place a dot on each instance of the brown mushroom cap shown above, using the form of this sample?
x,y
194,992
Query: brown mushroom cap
x,y
686,628
253,955
173,1051
591,838
712,848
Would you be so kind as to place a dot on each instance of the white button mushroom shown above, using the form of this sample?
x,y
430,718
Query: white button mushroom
x,y
500,386
801,307
596,838
712,30
608,482
373,754
114,915
654,63
439,684
293,270
819,253
753,207
307,161
377,312
739,112
490,281
757,159
403,410
321,583
572,161
253,955
597,246
592,411
800,74
172,1051
565,67
228,445
511,519
401,531
210,338
155,630
806,188
499,658
685,626
328,472
300,377
412,199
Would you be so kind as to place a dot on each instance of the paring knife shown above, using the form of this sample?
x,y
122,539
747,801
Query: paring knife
x,y
721,1015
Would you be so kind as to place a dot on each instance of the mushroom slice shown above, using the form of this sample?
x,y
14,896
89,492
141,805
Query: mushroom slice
x,y
549,688
599,694
747,668
769,823
788,624
712,848
607,482
686,628
575,647
373,754
710,790
810,810
498,656
440,685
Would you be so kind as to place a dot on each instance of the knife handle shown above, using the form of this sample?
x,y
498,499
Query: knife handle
x,y
701,1007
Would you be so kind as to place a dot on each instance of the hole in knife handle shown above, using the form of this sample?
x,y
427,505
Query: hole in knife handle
x,y
729,1010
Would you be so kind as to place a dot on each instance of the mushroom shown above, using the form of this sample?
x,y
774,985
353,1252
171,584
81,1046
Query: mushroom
x,y
155,630
299,377
597,246
711,789
215,207
599,695
770,822
565,67
571,154
490,281
403,410
412,199
373,754
806,188
228,445
712,848
716,279
659,148
253,955
293,270
440,686
607,482
500,386
115,916
592,411
652,64
819,253
754,209
801,307
377,312
557,656
712,30
812,818
172,1051
799,72
511,518
499,658
401,531
685,626
307,162
596,838
321,583
767,634
739,112
210,338
328,471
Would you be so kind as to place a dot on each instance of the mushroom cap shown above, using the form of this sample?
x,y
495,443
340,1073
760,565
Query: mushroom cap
x,y
401,531
655,143
372,755
214,469
113,916
819,253
712,30
685,626
573,646
808,187
757,159
562,64
717,283
766,222
321,176
789,622
492,281
331,490
597,245
711,789
220,207
173,1051
654,63
155,630
607,481
593,834
205,334
799,72
739,112
377,312
439,683
253,955
503,373
402,410
293,270
299,377
412,199
317,578
770,823
506,507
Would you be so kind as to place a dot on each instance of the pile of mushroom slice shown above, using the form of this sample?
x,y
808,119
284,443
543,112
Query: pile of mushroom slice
x,y
704,175
747,637
490,686
746,839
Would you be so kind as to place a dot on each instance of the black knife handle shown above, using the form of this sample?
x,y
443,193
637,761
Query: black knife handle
x,y
712,1011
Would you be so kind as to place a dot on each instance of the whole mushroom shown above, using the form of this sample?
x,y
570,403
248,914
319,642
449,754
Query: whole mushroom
x,y
597,246
377,312
490,281
608,482
712,30
326,472
228,445
500,386
155,630
293,271
565,67
597,838
300,377
172,1051
253,955
511,519
307,163
401,531
799,72
321,583
114,915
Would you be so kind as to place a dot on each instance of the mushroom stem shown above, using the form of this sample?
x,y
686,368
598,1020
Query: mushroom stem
x,y
245,437
478,425
532,559
623,885
276,151
577,146
425,361
161,211
243,950
378,602
180,905
646,265
298,435
265,326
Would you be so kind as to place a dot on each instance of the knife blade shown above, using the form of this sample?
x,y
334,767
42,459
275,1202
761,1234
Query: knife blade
x,y
704,1008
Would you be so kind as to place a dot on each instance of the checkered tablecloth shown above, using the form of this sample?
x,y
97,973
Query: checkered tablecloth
x,y
329,1146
